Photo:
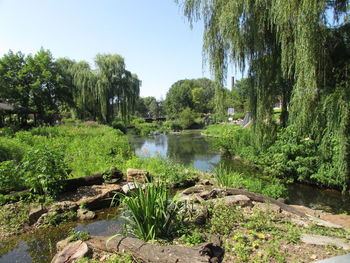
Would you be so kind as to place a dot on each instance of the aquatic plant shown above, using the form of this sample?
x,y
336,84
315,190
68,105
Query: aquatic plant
x,y
150,211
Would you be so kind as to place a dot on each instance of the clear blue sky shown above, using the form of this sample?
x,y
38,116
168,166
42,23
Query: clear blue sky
x,y
153,36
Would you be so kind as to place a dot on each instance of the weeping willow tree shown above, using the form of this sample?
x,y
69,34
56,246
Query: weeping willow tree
x,y
295,50
101,93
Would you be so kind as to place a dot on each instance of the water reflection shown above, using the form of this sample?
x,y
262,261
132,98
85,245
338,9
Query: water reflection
x,y
195,150
40,246
188,149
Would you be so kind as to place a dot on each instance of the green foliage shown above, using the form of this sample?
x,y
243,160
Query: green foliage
x,y
78,235
192,238
224,219
11,149
164,169
143,128
9,176
196,94
269,187
44,170
186,118
286,47
120,125
40,158
153,212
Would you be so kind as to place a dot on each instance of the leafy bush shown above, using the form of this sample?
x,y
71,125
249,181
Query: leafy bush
x,y
152,211
9,176
119,125
186,118
11,149
44,170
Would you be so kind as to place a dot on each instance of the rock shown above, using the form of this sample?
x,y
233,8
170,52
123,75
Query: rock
x,y
324,241
241,200
127,188
313,257
299,222
309,211
64,206
84,214
205,182
282,200
98,196
35,213
201,217
72,252
324,223
208,194
136,175
266,207
63,243
343,220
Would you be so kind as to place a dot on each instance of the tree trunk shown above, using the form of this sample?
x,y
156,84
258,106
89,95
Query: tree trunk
x,y
205,252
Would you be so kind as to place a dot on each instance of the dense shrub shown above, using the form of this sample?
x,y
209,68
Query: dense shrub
x,y
44,170
82,149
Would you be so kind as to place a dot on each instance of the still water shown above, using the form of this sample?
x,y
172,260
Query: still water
x,y
191,148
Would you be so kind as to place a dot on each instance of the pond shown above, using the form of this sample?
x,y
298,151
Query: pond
x,y
39,247
190,148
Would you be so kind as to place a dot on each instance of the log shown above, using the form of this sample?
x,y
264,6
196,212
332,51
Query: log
x,y
146,252
73,184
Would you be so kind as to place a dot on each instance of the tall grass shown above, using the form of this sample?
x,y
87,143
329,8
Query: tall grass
x,y
153,213
273,188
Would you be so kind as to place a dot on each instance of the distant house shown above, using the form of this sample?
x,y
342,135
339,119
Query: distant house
x,y
6,106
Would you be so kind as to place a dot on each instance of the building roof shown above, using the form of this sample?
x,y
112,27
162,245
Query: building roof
x,y
5,106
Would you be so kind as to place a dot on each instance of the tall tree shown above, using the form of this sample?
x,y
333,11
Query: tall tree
x,y
289,48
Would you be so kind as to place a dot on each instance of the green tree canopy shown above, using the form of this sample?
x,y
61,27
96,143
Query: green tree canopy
x,y
293,51
196,94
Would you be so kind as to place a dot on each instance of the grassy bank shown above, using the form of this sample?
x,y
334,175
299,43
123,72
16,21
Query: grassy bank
x,y
289,157
47,155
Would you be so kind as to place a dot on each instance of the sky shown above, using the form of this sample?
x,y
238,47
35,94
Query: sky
x,y
153,36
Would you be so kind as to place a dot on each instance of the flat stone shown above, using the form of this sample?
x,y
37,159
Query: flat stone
x,y
343,220
71,252
98,196
84,214
299,222
136,175
324,241
241,200
208,194
63,243
324,223
266,207
339,259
